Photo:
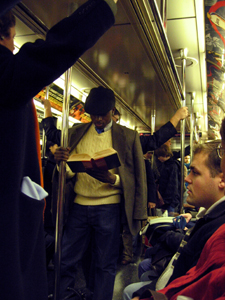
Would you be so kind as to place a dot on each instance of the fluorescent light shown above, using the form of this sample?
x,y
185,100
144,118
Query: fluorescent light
x,y
38,104
73,121
61,83
41,106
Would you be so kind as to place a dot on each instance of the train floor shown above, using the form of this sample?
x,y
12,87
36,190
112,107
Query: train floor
x,y
126,274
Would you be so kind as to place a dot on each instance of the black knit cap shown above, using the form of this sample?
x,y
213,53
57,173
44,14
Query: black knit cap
x,y
99,101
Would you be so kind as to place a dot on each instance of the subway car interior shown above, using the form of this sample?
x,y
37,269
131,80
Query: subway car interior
x,y
158,56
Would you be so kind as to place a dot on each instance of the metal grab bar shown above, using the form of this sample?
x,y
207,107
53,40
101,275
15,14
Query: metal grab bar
x,y
43,149
182,136
62,180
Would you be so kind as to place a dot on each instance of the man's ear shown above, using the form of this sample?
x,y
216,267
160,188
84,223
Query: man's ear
x,y
1,39
222,182
113,111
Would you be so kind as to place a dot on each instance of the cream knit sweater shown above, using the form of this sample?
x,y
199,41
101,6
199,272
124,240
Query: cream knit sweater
x,y
90,191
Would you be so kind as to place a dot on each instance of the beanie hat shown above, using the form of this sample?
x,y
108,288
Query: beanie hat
x,y
99,101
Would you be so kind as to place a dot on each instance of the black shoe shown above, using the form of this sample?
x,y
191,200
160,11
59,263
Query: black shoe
x,y
73,294
85,293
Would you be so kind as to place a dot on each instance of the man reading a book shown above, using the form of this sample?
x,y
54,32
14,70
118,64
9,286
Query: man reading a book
x,y
102,198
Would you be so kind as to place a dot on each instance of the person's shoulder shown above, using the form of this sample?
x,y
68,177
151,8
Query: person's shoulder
x,y
173,164
125,129
78,126
170,161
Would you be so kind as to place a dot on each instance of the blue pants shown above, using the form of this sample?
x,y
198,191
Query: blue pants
x,y
144,266
104,221
133,287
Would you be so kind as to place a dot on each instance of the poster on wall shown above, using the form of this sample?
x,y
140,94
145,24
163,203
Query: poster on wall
x,y
215,51
56,99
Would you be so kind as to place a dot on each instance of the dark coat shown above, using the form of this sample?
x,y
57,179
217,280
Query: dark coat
x,y
7,5
22,76
169,182
48,166
177,154
132,170
152,142
206,279
151,185
203,230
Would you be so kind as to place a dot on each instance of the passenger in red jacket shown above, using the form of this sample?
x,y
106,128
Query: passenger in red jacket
x,y
206,279
205,189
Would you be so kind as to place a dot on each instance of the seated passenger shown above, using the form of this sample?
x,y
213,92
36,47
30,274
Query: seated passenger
x,y
164,244
205,189
206,279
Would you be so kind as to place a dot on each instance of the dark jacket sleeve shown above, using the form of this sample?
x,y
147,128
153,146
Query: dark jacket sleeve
x,y
169,183
177,154
7,5
38,64
52,133
158,138
151,185
173,239
202,231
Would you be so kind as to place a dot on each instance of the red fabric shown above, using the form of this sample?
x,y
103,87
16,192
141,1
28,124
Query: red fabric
x,y
37,137
205,281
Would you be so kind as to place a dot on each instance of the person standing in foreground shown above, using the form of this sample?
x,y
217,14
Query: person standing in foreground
x,y
22,251
6,5
102,198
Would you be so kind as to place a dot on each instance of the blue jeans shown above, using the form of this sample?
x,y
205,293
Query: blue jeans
x,y
133,287
104,222
144,266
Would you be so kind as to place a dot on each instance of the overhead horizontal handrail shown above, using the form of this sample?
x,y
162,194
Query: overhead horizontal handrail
x,y
146,22
161,30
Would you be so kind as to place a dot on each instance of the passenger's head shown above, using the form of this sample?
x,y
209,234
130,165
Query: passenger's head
x,y
205,181
187,159
168,143
99,104
50,148
7,30
163,153
115,115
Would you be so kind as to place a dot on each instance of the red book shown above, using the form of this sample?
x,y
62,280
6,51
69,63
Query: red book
x,y
105,160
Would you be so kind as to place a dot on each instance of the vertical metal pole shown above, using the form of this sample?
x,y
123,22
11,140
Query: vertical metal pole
x,y
152,131
43,149
183,56
191,126
152,121
62,179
